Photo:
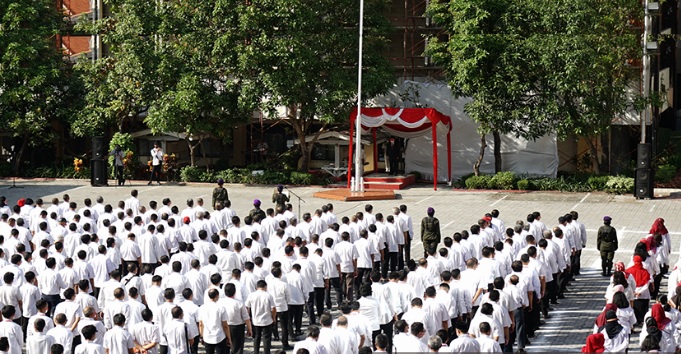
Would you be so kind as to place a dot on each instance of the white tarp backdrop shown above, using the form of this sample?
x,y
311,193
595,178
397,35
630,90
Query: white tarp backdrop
x,y
533,158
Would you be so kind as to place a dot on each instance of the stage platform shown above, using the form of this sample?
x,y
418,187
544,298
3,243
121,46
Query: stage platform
x,y
345,195
386,181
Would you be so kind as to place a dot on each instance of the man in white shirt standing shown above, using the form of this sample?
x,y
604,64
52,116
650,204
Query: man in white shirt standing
x,y
237,318
146,334
156,163
263,313
348,266
282,297
117,340
213,325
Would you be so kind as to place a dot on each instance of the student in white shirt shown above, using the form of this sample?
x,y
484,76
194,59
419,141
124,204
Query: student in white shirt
x,y
263,314
118,340
61,333
39,343
43,308
180,338
213,325
88,346
146,334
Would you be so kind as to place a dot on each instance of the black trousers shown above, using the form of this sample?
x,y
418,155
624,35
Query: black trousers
x,y
262,335
315,299
238,338
52,301
24,326
296,314
389,264
194,348
284,320
387,329
155,170
640,309
362,277
336,284
119,175
219,348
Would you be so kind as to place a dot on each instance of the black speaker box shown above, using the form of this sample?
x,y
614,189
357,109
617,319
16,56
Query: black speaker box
x,y
644,156
644,183
98,173
97,147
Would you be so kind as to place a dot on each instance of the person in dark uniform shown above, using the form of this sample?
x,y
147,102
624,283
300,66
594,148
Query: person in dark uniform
x,y
430,232
279,198
257,211
394,154
220,194
607,245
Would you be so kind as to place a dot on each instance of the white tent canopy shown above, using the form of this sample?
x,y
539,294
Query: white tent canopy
x,y
533,158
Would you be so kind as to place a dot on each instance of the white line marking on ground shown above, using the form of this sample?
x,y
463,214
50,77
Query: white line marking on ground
x,y
423,200
504,197
652,208
581,201
449,223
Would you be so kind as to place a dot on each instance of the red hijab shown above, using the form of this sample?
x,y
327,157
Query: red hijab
x,y
619,267
641,276
650,243
595,343
660,317
658,227
600,320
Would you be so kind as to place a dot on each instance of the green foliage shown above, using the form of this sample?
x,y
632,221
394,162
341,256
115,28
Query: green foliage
x,y
524,185
301,178
191,174
620,185
665,173
37,88
479,182
504,180
597,183
534,67
303,55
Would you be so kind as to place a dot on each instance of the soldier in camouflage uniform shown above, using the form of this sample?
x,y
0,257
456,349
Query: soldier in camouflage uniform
x,y
279,198
607,245
430,231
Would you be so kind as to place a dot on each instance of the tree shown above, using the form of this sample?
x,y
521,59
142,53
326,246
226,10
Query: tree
x,y
120,86
535,67
37,91
302,55
197,86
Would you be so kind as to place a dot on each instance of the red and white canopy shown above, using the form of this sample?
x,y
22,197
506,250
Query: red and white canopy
x,y
405,123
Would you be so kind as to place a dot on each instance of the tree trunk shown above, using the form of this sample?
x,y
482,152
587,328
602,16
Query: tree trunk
x,y
593,150
191,152
497,151
203,153
605,146
481,155
18,157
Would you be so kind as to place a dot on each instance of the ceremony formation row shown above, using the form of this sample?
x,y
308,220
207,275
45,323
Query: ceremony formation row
x,y
126,278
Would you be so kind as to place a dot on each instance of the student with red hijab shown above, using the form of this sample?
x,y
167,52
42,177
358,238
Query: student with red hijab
x,y
666,327
642,291
594,343
659,228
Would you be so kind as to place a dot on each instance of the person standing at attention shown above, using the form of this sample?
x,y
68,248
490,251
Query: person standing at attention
x,y
156,163
607,245
430,231
220,194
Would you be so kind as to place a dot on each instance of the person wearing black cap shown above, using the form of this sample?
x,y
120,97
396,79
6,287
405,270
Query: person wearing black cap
x,y
156,163
279,198
220,194
430,231
607,244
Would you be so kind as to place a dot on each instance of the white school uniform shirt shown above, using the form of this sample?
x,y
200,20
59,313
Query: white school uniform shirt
x,y
261,304
89,348
101,330
472,280
212,314
10,295
29,295
146,333
488,345
365,249
63,336
72,310
331,340
14,333
311,345
117,340
39,344
347,253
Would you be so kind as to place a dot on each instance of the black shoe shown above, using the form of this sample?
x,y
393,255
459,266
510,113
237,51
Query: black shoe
x,y
275,338
287,347
148,184
554,303
561,296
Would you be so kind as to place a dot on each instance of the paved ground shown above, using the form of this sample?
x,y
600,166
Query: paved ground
x,y
571,321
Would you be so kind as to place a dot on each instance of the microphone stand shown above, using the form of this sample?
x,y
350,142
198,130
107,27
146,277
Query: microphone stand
x,y
299,199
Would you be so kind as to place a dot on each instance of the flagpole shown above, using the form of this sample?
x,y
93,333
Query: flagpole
x,y
358,185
